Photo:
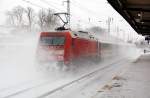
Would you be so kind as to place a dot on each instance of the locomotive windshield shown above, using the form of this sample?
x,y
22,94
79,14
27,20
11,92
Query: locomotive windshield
x,y
52,40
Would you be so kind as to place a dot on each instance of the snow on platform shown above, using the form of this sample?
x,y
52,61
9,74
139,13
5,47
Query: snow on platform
x,y
133,82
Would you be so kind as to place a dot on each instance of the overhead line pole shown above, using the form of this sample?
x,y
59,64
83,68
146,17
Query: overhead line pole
x,y
68,11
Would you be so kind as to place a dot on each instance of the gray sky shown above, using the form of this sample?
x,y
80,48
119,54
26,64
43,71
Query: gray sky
x,y
97,11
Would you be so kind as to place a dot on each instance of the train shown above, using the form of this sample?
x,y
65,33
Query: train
x,y
67,46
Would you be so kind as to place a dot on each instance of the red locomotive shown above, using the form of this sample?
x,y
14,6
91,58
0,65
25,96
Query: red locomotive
x,y
66,46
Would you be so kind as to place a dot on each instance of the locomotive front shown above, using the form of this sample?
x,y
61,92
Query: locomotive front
x,y
51,46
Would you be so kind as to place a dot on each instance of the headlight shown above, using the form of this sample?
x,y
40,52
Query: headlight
x,y
60,57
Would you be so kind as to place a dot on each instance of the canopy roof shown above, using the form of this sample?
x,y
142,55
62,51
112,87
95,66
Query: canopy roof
x,y
136,12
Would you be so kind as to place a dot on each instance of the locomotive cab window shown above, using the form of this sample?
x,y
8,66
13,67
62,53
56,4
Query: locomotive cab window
x,y
52,40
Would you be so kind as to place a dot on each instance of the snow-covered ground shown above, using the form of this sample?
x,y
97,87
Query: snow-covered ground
x,y
133,82
16,60
86,88
19,71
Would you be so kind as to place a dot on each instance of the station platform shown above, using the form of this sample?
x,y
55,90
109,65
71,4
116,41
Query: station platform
x,y
133,82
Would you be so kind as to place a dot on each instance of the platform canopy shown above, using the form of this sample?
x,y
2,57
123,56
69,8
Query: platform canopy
x,y
136,12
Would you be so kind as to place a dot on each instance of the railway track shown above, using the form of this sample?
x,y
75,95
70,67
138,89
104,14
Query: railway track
x,y
79,79
49,92
19,90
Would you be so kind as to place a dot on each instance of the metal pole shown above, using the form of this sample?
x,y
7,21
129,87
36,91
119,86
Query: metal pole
x,y
68,11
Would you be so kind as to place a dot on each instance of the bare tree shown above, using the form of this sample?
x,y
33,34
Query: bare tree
x,y
26,18
30,16
18,12
41,18
50,20
10,18
47,20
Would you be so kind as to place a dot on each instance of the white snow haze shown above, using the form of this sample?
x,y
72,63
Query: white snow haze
x,y
19,69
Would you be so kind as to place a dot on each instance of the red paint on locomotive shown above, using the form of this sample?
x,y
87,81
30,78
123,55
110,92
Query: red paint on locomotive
x,y
66,46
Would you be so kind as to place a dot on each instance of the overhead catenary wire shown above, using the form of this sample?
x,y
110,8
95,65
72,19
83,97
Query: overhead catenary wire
x,y
75,4
84,8
94,18
46,2
54,8
81,6
51,5
33,4
29,2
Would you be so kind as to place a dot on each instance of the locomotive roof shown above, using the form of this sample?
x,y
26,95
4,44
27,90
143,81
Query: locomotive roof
x,y
75,34
82,34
